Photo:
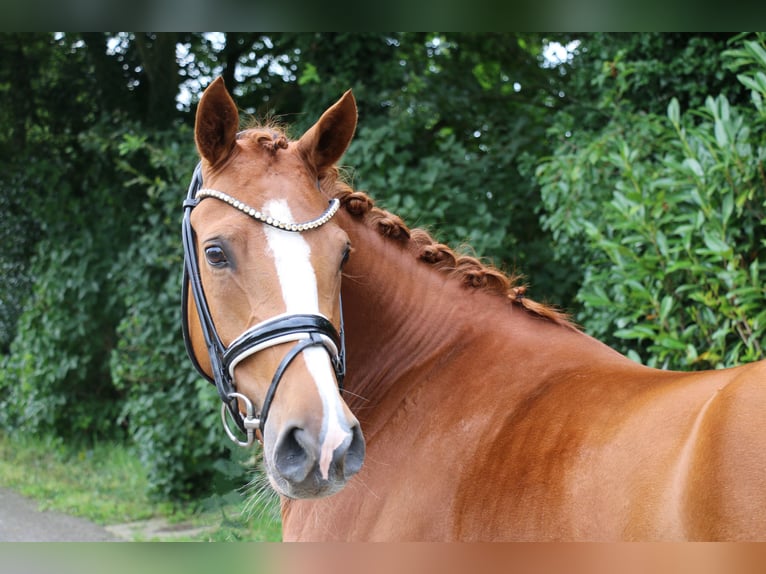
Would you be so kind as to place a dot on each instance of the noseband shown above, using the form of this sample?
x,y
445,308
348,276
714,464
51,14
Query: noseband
x,y
305,330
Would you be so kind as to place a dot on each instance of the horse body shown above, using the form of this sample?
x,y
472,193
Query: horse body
x,y
485,423
485,416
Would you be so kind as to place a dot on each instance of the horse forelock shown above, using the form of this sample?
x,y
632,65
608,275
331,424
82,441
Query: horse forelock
x,y
269,136
471,271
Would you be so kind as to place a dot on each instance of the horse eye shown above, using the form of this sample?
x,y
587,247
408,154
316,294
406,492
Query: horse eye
x,y
215,256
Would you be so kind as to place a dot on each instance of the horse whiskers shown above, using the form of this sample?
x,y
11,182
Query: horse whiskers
x,y
261,499
359,483
355,395
355,278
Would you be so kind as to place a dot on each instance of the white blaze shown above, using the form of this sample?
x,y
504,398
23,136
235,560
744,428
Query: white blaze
x,y
292,258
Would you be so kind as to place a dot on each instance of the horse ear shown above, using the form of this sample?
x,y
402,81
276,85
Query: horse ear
x,y
326,141
216,123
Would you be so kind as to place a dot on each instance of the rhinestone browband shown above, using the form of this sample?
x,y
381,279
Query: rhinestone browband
x,y
267,219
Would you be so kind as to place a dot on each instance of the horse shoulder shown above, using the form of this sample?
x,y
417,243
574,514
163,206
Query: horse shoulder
x,y
726,498
608,452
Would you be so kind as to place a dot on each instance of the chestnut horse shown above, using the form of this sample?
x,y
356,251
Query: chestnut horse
x,y
468,411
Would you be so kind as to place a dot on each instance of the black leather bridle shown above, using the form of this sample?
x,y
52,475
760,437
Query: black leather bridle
x,y
307,329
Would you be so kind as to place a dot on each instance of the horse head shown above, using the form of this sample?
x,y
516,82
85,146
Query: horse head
x,y
264,261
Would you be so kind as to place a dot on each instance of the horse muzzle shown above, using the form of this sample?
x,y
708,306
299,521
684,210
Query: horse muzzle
x,y
300,466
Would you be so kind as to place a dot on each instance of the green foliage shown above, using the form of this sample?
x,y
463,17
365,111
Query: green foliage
x,y
56,377
15,277
430,191
750,57
666,216
613,72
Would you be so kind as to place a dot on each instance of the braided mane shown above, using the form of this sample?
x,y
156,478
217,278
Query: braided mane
x,y
469,270
472,272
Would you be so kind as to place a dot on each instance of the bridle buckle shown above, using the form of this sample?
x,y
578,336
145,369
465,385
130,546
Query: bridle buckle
x,y
250,422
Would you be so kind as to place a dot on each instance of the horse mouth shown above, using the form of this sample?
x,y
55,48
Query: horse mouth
x,y
309,489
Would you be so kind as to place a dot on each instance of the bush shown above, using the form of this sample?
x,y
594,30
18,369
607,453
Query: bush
x,y
56,379
665,215
56,375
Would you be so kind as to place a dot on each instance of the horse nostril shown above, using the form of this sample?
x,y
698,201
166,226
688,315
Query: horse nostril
x,y
353,456
297,456
292,455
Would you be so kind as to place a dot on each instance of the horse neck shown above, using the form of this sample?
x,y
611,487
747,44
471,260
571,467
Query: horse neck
x,y
408,324
403,317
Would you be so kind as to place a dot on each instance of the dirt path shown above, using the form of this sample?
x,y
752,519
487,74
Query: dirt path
x,y
21,521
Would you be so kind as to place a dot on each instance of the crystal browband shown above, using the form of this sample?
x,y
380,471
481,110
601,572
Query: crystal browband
x,y
267,219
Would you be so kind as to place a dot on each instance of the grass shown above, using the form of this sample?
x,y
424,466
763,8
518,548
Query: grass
x,y
106,484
